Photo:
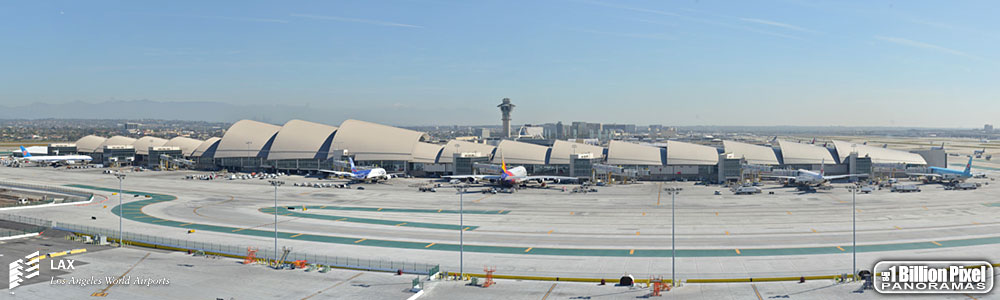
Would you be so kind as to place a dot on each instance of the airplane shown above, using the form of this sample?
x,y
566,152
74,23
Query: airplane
x,y
807,178
979,153
516,176
366,175
54,159
947,174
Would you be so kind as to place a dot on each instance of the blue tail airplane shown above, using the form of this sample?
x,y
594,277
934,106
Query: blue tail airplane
x,y
946,174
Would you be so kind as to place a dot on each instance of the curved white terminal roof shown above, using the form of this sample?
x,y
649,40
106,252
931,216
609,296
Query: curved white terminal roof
x,y
680,153
142,144
425,152
208,146
878,155
561,150
115,141
187,145
302,140
625,153
753,154
89,144
370,141
520,153
793,153
455,146
246,138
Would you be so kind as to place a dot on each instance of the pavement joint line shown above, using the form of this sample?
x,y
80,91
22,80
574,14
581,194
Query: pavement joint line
x,y
296,235
400,224
841,248
549,292
936,243
341,219
528,250
361,240
104,292
429,245
333,286
756,292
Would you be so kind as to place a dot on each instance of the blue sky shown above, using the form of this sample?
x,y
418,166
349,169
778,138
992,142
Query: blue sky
x,y
866,63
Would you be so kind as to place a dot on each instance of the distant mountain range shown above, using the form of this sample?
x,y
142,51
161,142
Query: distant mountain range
x,y
190,111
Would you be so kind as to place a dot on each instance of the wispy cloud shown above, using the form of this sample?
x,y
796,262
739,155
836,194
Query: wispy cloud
x,y
227,18
354,20
776,24
927,46
698,19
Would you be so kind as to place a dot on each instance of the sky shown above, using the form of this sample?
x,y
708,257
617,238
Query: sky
x,y
790,62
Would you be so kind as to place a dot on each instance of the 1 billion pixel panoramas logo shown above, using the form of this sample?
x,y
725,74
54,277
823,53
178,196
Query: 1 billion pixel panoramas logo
x,y
933,277
22,269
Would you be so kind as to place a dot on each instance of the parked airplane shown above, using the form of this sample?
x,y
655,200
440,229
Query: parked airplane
x,y
979,153
366,175
54,159
515,176
807,178
946,174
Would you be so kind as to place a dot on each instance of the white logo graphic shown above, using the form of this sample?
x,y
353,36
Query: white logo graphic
x,y
933,277
21,270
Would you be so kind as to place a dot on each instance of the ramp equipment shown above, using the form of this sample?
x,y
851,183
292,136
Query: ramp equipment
x,y
251,256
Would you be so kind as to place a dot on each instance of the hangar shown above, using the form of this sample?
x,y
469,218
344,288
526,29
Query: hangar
x,y
245,144
752,154
301,145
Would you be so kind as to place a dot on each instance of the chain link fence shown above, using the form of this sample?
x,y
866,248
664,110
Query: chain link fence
x,y
236,251
67,195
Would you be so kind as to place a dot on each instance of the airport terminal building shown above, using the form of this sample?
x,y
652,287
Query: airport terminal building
x,y
306,147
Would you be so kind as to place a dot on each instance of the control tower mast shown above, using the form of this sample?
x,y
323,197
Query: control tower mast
x,y
505,108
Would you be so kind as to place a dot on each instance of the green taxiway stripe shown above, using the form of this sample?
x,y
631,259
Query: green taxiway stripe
x,y
408,210
156,198
283,210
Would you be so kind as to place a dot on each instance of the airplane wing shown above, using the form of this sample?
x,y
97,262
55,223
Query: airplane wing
x,y
476,177
832,177
779,176
338,173
924,174
549,178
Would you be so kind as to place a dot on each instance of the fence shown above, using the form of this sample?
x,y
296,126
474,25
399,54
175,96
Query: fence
x,y
235,251
72,195
27,225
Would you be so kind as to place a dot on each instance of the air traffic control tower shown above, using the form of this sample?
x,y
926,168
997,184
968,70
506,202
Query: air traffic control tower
x,y
505,108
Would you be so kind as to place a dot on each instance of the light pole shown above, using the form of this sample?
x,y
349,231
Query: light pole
x,y
461,230
673,239
248,152
276,183
854,230
121,209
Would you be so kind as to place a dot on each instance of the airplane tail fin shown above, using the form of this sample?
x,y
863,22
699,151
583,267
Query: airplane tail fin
x,y
351,160
24,152
968,166
822,168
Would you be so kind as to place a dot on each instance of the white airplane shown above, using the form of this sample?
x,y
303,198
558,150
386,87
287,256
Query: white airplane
x,y
367,175
810,178
511,177
54,159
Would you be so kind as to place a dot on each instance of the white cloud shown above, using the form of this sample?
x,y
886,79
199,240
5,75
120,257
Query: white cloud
x,y
922,45
776,24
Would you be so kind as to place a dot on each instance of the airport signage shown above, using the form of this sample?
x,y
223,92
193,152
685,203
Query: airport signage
x,y
933,277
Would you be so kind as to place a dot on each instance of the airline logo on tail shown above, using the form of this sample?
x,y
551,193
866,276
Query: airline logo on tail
x,y
353,169
968,166
24,152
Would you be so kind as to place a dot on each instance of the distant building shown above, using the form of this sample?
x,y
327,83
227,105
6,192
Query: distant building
x,y
131,128
483,133
988,127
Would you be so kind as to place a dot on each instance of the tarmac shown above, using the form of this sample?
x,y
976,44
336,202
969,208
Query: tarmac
x,y
548,232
